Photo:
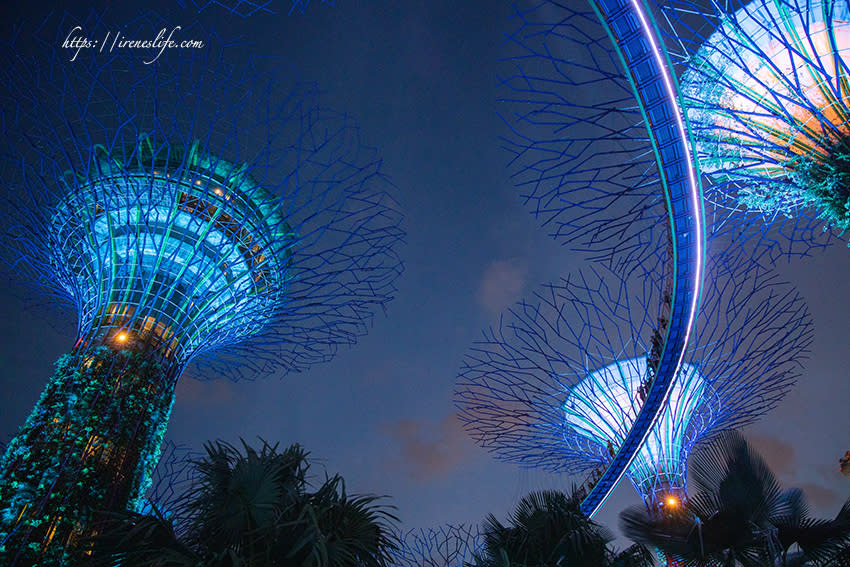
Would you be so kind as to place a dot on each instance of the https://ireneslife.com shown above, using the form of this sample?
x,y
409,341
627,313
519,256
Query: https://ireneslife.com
x,y
77,41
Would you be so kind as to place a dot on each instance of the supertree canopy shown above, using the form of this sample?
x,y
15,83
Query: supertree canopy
x,y
591,100
604,405
175,247
624,183
559,383
197,216
768,97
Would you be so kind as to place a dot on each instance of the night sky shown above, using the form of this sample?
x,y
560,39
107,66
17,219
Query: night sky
x,y
420,78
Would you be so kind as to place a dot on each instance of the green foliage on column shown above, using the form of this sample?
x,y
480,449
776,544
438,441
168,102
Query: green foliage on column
x,y
826,183
89,446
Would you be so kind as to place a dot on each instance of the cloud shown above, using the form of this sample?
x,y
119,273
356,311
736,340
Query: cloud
x,y
823,499
198,392
501,285
778,453
429,450
782,459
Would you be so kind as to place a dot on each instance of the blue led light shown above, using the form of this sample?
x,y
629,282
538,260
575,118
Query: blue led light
x,y
195,215
768,94
602,408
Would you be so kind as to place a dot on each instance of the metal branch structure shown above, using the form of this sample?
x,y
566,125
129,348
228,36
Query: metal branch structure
x,y
196,216
560,382
300,6
766,85
588,190
175,474
445,546
245,8
590,101
580,154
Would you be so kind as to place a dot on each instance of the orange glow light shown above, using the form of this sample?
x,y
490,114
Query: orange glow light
x,y
121,337
672,501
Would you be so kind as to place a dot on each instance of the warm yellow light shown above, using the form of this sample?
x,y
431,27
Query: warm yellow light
x,y
672,501
121,337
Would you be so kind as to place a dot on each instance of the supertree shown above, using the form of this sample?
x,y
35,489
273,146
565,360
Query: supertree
x,y
559,384
444,546
198,217
623,183
597,139
767,94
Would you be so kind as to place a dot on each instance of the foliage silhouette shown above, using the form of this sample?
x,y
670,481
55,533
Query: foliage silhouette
x,y
253,508
549,529
740,515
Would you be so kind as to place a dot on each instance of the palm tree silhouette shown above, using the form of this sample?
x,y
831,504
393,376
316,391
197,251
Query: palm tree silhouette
x,y
548,529
253,509
739,515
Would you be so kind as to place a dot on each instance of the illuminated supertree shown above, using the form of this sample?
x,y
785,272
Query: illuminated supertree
x,y
767,92
590,100
602,149
622,183
445,546
198,217
559,383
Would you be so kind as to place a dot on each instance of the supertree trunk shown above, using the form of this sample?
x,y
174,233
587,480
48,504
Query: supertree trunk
x,y
87,448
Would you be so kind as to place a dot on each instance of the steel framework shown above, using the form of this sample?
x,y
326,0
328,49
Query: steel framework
x,y
245,8
559,384
767,91
587,191
444,546
195,215
591,102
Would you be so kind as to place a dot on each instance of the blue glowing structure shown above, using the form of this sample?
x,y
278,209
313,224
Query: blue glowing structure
x,y
198,217
604,405
578,182
173,476
767,91
559,384
596,139
445,546
247,8
173,246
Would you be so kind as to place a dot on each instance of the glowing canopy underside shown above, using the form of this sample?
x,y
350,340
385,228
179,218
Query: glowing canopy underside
x,y
601,409
248,231
768,91
180,251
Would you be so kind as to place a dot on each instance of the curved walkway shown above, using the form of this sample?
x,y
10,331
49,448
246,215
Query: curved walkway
x,y
645,62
